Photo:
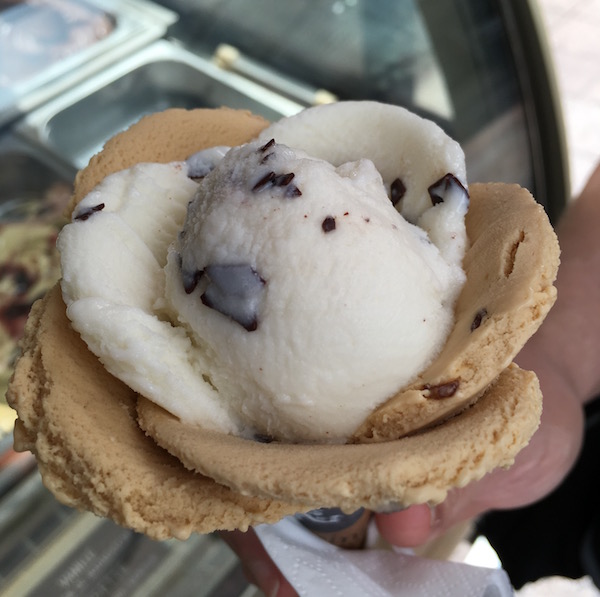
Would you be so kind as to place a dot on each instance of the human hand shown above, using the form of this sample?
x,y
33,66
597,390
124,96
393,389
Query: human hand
x,y
562,354
537,470
258,567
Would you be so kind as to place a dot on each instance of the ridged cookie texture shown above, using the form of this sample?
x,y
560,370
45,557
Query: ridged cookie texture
x,y
83,425
167,136
80,422
511,265
415,469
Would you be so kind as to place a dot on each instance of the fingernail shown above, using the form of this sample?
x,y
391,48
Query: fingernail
x,y
435,519
391,508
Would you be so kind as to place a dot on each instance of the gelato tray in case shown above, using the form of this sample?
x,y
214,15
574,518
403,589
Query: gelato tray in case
x,y
34,191
49,45
75,125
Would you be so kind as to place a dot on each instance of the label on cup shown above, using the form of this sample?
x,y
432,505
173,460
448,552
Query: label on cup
x,y
329,520
337,527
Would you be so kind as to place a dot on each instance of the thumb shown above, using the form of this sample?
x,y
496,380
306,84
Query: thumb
x,y
408,528
536,471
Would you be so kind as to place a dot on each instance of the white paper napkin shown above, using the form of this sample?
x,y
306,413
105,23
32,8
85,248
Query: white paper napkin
x,y
316,568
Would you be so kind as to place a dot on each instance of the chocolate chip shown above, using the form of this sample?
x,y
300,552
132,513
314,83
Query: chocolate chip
x,y
235,291
397,191
266,146
90,211
328,224
278,180
440,189
191,279
479,316
283,180
292,191
443,390
264,182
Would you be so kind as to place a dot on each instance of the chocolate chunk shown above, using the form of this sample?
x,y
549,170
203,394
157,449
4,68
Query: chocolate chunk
x,y
328,224
235,291
84,214
191,279
292,191
443,390
397,191
440,189
264,182
278,180
479,316
283,180
266,146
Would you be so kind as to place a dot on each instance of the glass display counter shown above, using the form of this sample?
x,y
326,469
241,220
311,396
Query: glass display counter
x,y
476,67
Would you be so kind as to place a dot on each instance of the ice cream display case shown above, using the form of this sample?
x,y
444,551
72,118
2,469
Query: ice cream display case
x,y
73,73
46,47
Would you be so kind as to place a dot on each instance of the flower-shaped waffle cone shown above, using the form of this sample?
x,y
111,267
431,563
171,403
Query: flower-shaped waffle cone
x,y
471,411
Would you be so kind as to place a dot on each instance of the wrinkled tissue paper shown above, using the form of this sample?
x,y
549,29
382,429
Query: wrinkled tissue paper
x,y
316,568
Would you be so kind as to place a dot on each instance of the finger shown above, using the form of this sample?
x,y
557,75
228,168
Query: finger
x,y
258,567
407,528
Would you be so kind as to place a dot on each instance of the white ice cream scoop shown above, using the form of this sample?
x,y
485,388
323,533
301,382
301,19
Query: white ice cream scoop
x,y
294,297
